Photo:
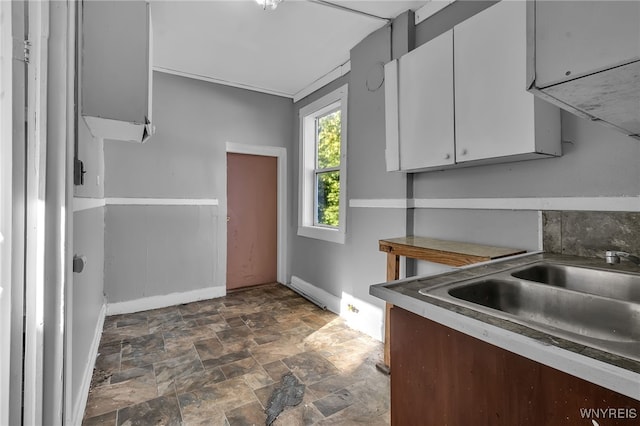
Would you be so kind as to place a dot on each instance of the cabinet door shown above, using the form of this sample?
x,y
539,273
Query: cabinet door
x,y
115,60
444,377
116,72
494,111
577,38
426,105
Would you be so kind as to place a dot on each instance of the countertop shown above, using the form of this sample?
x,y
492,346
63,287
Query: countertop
x,y
452,253
611,371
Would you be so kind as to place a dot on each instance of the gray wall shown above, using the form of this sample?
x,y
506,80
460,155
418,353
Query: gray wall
x,y
448,17
596,161
88,240
353,266
88,298
91,152
158,250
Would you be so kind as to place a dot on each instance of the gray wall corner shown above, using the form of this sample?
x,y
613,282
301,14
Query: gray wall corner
x,y
403,34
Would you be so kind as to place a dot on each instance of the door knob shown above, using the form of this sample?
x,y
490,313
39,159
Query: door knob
x,y
228,218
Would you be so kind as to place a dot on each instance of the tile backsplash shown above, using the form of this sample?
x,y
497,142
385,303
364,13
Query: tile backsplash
x,y
590,234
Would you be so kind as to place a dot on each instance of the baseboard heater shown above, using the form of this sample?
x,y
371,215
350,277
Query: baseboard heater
x,y
308,297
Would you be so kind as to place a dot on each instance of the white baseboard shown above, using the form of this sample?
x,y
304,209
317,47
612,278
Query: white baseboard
x,y
327,299
155,302
363,316
368,319
80,404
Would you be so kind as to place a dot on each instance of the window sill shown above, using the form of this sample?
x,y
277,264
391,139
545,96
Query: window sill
x,y
326,234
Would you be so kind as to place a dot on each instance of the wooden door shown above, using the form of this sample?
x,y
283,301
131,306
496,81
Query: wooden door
x,y
252,244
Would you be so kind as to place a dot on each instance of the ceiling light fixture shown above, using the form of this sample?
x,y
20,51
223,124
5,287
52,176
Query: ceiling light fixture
x,y
268,4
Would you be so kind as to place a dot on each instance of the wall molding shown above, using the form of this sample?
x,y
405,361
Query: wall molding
x,y
162,201
533,203
222,82
82,203
332,75
80,404
265,150
162,301
386,203
630,203
307,289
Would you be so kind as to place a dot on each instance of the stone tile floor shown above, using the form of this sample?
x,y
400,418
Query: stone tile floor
x,y
217,362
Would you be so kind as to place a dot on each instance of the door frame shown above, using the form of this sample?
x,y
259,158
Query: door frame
x,y
6,210
35,218
281,154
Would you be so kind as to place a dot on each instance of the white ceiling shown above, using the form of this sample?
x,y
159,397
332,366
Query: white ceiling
x,y
278,51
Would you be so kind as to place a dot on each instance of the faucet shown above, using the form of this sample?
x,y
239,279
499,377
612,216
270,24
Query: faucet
x,y
612,257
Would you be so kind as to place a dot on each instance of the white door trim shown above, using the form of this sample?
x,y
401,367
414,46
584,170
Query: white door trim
x,y
36,212
6,206
281,154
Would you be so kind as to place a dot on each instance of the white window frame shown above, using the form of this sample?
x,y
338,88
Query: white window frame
x,y
307,190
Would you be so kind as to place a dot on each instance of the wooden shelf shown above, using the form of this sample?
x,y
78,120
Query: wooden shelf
x,y
450,253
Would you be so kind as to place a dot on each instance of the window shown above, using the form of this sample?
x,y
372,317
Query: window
x,y
323,140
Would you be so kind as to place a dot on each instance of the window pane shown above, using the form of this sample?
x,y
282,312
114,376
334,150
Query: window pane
x,y
328,149
328,201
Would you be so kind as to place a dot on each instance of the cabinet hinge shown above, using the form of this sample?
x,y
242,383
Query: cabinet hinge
x,y
21,50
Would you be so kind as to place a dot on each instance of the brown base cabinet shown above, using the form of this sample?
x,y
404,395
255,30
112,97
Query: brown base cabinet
x,y
443,377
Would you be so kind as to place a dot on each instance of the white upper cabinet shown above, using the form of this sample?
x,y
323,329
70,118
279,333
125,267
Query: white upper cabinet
x,y
425,93
116,75
496,118
584,56
578,38
462,98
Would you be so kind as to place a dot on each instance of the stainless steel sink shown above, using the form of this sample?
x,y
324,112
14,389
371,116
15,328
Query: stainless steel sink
x,y
593,281
572,312
596,308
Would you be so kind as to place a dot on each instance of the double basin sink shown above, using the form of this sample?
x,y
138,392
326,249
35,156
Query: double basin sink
x,y
593,307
